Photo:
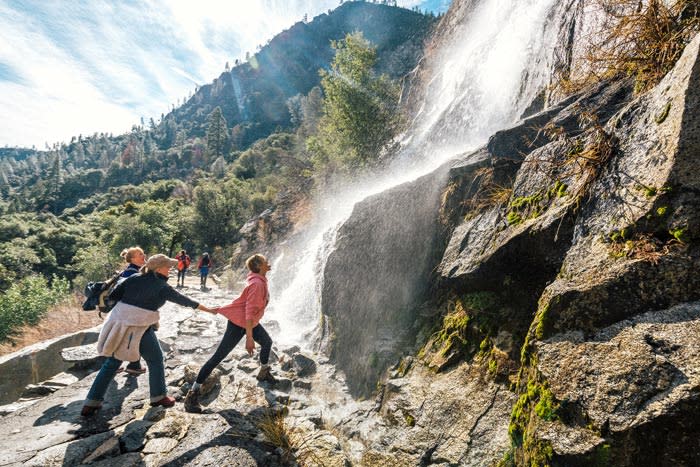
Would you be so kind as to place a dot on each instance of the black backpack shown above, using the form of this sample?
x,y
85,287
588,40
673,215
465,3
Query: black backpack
x,y
96,295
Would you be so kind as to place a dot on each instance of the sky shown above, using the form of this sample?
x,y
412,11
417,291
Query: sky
x,y
84,66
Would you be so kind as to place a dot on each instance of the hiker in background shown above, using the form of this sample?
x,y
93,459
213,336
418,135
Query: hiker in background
x,y
135,258
244,315
203,265
183,262
129,331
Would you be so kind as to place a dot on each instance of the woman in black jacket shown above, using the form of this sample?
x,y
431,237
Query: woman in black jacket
x,y
138,297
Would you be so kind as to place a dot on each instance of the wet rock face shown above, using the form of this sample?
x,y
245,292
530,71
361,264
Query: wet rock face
x,y
636,382
380,269
634,245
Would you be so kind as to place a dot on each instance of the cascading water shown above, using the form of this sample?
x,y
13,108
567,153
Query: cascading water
x,y
494,64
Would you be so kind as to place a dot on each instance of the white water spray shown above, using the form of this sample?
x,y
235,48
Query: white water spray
x,y
493,67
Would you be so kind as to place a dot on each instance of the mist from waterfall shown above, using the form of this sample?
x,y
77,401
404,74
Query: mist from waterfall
x,y
494,66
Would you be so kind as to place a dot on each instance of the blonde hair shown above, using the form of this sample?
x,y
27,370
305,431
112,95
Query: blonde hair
x,y
128,253
254,262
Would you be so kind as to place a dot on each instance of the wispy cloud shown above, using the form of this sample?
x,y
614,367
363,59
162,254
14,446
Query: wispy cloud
x,y
69,68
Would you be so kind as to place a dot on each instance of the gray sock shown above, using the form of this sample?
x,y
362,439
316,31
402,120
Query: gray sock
x,y
195,386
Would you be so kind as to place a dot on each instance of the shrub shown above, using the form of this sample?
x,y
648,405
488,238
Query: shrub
x,y
27,301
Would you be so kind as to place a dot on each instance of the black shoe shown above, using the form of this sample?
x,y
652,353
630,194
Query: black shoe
x,y
192,404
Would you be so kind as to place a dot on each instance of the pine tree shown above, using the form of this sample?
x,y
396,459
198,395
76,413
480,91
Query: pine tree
x,y
360,110
217,133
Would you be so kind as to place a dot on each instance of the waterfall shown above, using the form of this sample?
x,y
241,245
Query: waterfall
x,y
497,60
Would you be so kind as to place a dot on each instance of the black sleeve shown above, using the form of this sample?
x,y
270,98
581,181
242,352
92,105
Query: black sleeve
x,y
172,295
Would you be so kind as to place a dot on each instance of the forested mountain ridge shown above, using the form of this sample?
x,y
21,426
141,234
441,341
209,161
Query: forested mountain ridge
x,y
253,95
253,98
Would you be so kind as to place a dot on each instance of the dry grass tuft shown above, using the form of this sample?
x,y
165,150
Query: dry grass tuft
x,y
645,247
642,39
489,193
293,443
64,318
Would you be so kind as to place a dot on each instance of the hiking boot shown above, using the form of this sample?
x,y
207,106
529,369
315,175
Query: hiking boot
x,y
166,401
89,410
265,374
192,404
135,371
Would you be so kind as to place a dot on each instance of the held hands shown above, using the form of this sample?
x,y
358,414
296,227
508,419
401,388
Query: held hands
x,y
207,309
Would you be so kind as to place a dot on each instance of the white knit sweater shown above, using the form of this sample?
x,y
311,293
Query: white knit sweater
x,y
121,334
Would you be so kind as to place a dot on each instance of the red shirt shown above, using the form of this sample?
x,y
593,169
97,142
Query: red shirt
x,y
250,304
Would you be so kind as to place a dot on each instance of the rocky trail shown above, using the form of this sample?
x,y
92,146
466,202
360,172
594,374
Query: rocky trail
x,y
245,422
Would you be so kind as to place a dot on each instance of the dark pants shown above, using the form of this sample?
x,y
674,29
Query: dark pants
x,y
151,352
181,276
231,337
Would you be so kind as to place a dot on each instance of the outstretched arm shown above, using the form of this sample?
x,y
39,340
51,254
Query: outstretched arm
x,y
207,309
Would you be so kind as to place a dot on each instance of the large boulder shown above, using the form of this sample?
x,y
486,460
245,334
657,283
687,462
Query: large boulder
x,y
380,268
38,362
636,385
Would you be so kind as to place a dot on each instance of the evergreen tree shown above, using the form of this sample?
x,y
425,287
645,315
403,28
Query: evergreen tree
x,y
360,111
217,134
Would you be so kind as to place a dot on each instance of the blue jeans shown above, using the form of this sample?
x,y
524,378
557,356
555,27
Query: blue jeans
x,y
151,353
232,336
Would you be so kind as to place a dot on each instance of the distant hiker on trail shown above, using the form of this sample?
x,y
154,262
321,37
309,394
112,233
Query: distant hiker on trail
x,y
244,315
203,265
183,262
135,259
129,333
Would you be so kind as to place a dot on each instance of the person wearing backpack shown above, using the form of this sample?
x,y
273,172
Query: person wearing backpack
x,y
203,265
135,259
244,315
128,333
183,262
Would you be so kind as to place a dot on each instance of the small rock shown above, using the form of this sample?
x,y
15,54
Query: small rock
x,y
134,435
61,380
301,384
226,367
174,426
32,391
283,384
159,445
191,372
155,414
304,365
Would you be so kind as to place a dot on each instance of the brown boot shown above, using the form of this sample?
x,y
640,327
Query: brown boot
x,y
266,375
192,404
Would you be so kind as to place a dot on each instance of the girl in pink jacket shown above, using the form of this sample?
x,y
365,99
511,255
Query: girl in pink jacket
x,y
244,315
